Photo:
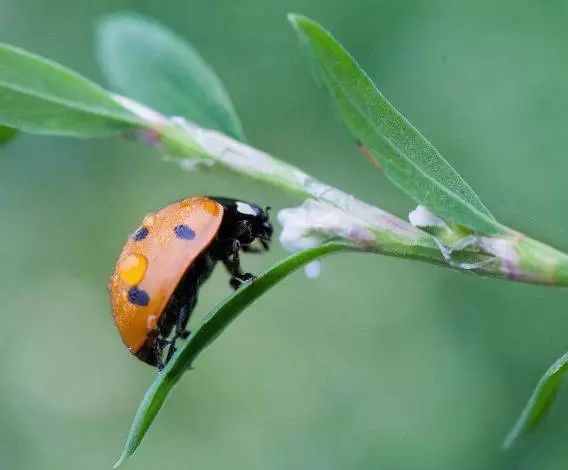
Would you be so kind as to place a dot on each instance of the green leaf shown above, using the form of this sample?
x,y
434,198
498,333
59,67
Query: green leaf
x,y
540,402
7,134
151,64
408,159
42,97
206,332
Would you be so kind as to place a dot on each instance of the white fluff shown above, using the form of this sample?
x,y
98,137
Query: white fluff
x,y
422,217
315,222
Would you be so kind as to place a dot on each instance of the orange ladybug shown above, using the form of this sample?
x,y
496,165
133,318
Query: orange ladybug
x,y
153,289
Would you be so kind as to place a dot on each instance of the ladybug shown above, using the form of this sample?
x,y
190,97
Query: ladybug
x,y
153,289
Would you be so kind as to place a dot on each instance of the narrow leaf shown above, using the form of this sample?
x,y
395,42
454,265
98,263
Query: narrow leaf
x,y
42,97
151,64
7,134
408,159
540,402
206,332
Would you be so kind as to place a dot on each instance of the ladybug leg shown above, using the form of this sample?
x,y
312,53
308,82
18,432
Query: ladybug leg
x,y
171,343
236,282
181,323
183,318
171,351
160,345
171,348
232,262
159,348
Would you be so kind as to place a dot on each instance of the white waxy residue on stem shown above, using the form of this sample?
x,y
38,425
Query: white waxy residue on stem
x,y
422,217
147,114
315,221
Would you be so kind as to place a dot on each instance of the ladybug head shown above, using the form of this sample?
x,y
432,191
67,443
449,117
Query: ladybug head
x,y
259,220
245,221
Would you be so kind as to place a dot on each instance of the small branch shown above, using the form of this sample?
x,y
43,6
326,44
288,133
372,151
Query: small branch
x,y
185,140
336,214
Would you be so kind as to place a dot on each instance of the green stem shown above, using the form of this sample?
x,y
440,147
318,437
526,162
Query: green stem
x,y
517,257
510,255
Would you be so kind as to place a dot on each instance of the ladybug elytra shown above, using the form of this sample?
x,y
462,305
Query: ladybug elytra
x,y
154,286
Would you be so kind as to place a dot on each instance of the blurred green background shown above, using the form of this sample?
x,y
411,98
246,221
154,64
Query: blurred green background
x,y
379,363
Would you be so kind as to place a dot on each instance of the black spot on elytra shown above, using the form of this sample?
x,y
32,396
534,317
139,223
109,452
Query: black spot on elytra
x,y
184,232
140,234
138,296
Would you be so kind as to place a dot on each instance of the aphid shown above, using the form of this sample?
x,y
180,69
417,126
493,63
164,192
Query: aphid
x,y
153,289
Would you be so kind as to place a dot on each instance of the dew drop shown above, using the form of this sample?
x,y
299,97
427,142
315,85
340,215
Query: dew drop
x,y
132,268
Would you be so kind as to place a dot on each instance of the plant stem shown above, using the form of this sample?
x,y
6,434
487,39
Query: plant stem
x,y
511,256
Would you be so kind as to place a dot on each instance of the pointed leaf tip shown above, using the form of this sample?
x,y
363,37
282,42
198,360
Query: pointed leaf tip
x,y
294,18
409,160
540,401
